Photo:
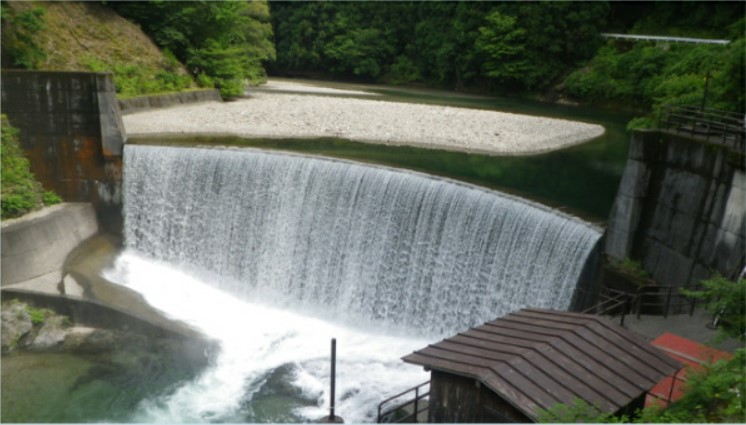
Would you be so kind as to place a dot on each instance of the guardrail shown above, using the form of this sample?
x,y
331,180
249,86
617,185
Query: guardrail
x,y
398,413
721,128
655,299
612,302
663,298
640,37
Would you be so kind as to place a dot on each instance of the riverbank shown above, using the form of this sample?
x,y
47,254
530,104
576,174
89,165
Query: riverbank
x,y
301,111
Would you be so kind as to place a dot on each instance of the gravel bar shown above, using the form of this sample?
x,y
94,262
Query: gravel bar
x,y
283,114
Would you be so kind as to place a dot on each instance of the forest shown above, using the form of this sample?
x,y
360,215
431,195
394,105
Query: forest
x,y
551,51
545,50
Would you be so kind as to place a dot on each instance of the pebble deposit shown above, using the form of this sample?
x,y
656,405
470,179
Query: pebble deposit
x,y
294,110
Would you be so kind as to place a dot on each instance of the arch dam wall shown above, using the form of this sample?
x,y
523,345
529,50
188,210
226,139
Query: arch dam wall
x,y
680,209
72,133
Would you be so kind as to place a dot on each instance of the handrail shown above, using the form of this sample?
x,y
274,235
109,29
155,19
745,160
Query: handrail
x,y
385,415
666,297
671,297
665,38
613,300
717,127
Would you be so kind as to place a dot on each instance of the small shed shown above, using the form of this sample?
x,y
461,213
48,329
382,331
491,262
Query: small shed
x,y
512,368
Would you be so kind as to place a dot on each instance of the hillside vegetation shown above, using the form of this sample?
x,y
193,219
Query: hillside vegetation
x,y
222,44
21,192
77,36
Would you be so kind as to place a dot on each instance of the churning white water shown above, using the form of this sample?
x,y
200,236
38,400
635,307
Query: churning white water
x,y
269,253
256,340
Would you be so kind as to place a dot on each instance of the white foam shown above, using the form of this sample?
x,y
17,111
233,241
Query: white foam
x,y
255,339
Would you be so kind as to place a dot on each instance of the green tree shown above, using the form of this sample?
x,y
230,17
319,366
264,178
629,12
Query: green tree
x,y
727,299
504,45
224,43
559,35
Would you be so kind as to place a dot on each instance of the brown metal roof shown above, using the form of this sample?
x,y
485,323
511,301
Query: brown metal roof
x,y
536,359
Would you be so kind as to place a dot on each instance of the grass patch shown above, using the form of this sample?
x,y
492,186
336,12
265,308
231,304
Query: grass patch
x,y
21,192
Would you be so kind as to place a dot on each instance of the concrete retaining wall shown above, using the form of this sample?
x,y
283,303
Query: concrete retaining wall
x,y
142,103
36,245
680,209
71,132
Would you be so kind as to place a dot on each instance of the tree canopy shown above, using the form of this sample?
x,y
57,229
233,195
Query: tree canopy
x,y
447,44
221,43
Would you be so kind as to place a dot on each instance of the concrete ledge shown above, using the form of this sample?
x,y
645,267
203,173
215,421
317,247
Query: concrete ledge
x,y
36,245
142,103
99,315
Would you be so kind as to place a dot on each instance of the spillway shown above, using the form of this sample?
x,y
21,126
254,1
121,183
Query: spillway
x,y
272,254
364,245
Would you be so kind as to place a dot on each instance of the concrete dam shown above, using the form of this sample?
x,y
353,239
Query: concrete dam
x,y
310,248
354,242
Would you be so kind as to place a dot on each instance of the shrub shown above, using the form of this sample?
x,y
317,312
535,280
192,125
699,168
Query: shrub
x,y
131,80
18,29
21,193
647,76
727,299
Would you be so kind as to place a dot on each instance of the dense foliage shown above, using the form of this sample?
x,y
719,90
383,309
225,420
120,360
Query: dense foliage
x,y
546,48
523,45
131,80
223,44
21,193
648,75
20,49
40,36
726,299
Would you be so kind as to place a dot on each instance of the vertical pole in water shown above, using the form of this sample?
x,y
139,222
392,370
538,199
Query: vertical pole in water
x,y
332,419
333,378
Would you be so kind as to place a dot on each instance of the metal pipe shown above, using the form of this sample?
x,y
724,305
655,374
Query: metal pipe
x,y
333,377
416,398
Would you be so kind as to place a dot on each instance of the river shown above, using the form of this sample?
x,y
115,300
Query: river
x,y
277,372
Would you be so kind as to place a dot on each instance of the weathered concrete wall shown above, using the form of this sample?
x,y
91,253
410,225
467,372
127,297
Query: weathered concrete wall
x,y
37,244
680,209
142,103
71,131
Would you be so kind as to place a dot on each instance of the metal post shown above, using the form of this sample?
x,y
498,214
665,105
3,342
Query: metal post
x,y
332,418
416,397
334,377
704,96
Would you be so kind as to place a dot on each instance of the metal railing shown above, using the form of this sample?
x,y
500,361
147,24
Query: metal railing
x,y
393,410
650,299
612,302
721,128
662,299
658,38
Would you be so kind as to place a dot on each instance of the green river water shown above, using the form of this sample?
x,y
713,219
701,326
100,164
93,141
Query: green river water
x,y
581,180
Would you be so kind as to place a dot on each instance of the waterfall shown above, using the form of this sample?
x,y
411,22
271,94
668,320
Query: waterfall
x,y
354,243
